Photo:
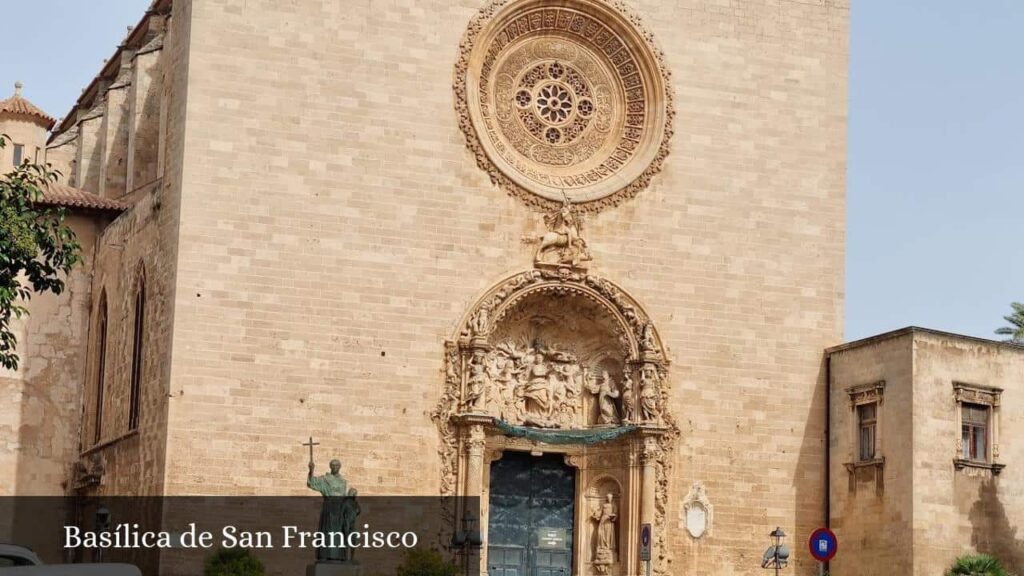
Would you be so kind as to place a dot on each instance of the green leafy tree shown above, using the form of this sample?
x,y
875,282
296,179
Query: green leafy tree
x,y
1015,330
36,247
977,565
233,562
423,562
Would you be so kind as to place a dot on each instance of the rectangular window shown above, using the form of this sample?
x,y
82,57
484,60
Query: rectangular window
x,y
867,419
19,154
974,431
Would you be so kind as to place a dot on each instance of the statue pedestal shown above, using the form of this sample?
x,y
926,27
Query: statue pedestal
x,y
334,569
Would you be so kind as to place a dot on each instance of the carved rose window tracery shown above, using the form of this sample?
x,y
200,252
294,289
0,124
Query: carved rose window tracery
x,y
564,101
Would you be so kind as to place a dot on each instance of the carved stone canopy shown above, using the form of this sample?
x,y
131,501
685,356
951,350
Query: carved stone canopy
x,y
565,100
558,349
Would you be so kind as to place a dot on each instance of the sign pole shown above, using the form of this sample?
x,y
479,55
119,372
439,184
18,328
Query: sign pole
x,y
645,545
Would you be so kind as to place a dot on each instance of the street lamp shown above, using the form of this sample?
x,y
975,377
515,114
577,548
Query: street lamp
x,y
777,555
102,525
467,540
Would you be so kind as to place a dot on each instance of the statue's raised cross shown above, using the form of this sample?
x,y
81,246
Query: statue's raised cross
x,y
310,444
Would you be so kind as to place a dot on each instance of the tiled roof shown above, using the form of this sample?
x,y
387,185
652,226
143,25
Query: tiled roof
x,y
22,107
62,195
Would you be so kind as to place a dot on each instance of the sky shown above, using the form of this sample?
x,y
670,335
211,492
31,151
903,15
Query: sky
x,y
935,182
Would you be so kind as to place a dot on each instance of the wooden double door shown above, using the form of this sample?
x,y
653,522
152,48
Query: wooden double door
x,y
531,512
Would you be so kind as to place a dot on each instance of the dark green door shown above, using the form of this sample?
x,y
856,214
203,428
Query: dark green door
x,y
532,506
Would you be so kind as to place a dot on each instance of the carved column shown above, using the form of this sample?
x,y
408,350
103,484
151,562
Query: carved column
x,y
475,461
648,479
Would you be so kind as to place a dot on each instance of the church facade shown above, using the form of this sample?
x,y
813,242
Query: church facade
x,y
585,253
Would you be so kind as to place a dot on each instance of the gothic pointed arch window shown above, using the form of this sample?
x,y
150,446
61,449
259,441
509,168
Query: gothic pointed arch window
x,y
138,341
101,364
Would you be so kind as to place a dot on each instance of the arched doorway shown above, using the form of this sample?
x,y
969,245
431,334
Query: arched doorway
x,y
566,367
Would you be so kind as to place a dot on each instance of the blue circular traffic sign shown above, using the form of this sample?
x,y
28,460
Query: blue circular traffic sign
x,y
823,544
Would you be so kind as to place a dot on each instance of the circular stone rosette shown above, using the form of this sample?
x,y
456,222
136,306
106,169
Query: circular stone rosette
x,y
565,100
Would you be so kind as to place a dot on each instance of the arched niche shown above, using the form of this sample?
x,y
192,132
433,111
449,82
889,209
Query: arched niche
x,y
557,350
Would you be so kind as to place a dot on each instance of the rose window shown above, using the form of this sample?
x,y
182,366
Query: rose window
x,y
554,103
565,99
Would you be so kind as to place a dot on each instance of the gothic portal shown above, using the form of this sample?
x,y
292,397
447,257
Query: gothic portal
x,y
555,404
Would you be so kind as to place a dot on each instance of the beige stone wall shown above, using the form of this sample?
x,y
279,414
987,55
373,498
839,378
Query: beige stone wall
x,y
872,507
927,512
143,238
29,134
113,158
62,155
957,511
334,229
39,425
89,152
144,132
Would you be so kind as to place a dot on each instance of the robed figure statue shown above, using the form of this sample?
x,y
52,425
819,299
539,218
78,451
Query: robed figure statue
x,y
605,539
334,488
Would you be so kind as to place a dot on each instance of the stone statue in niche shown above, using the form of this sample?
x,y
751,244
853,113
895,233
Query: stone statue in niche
x,y
477,383
650,397
628,401
647,340
605,518
563,244
478,324
606,392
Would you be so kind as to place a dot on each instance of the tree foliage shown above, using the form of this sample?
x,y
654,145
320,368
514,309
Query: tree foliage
x,y
233,562
977,565
1015,330
36,247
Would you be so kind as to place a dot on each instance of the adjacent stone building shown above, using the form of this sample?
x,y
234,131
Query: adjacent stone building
x,y
588,250
924,451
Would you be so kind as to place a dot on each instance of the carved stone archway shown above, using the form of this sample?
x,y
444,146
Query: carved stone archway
x,y
556,360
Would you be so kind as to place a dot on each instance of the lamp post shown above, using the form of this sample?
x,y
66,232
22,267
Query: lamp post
x,y
102,525
777,555
467,540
